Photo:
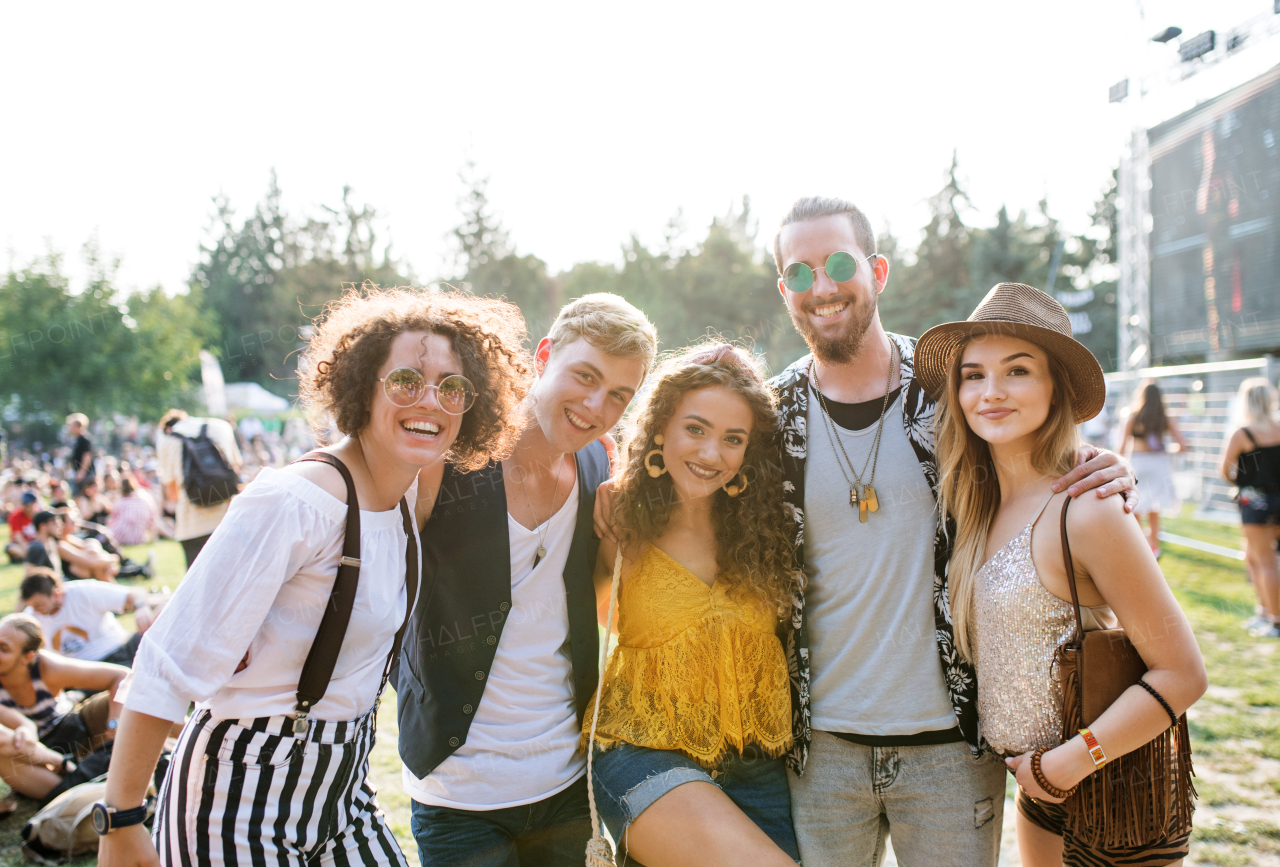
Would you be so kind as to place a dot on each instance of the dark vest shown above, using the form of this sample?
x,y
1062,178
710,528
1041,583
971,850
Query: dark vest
x,y
465,601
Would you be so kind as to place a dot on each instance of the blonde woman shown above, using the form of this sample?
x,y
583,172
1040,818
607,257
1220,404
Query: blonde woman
x,y
1014,385
1251,460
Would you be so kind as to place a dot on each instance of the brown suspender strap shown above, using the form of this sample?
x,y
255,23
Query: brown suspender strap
x,y
323,656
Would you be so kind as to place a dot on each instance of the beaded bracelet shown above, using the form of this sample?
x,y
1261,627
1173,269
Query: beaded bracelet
x,y
1049,789
1173,717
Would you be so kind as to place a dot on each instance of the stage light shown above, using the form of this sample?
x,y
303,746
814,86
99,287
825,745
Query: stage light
x,y
1196,46
1171,33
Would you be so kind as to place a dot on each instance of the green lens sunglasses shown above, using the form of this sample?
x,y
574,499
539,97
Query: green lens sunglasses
x,y
798,277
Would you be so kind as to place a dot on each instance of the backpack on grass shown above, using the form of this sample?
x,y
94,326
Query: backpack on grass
x,y
206,476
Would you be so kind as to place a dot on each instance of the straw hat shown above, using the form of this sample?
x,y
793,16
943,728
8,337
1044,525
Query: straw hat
x,y
1016,310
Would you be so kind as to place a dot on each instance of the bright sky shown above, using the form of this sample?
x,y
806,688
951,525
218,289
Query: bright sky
x,y
593,120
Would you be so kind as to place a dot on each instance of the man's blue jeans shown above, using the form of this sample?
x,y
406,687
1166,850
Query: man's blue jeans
x,y
548,833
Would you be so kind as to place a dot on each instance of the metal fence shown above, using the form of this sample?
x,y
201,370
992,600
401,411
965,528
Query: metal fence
x,y
1201,399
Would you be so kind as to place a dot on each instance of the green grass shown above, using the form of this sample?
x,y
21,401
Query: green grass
x,y
1235,728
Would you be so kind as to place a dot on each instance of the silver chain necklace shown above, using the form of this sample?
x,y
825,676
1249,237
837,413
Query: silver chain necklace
x,y
862,496
538,526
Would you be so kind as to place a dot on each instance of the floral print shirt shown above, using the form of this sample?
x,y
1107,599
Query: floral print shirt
x,y
917,414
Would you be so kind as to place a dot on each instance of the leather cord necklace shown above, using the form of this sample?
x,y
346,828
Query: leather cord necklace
x,y
538,527
862,496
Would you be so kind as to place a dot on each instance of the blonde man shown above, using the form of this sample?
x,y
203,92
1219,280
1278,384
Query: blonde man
x,y
504,657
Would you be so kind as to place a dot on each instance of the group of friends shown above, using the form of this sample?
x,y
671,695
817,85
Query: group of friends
x,y
832,598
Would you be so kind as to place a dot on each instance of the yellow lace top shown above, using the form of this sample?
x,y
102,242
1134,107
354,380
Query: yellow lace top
x,y
694,670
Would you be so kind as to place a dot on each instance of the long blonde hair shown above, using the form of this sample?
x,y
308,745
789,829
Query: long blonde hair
x,y
1256,402
970,491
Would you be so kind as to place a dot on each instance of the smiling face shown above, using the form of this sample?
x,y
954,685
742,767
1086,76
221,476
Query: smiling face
x,y
581,392
832,317
705,441
421,434
11,655
1006,388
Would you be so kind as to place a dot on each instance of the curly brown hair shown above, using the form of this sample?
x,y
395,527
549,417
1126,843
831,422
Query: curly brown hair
x,y
339,367
754,545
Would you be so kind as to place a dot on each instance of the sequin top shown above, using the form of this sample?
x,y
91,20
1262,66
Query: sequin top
x,y
696,669
1017,625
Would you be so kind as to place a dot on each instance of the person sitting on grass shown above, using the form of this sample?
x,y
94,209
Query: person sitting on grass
x,y
93,504
21,530
33,682
42,551
79,618
133,520
28,766
84,558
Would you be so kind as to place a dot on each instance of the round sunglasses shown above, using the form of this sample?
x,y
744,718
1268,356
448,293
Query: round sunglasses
x,y
798,277
405,387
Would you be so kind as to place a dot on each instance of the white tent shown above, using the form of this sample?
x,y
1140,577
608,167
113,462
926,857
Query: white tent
x,y
253,397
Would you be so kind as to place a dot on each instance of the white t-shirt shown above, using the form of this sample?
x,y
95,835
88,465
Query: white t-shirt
x,y
85,627
194,521
260,587
522,746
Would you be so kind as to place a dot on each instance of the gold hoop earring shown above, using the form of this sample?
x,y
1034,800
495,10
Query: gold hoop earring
x,y
656,471
733,490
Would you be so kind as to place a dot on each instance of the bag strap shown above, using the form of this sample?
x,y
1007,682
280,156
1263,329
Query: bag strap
x,y
598,854
1249,434
1071,573
317,671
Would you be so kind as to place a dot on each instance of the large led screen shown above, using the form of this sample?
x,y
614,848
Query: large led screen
x,y
1215,204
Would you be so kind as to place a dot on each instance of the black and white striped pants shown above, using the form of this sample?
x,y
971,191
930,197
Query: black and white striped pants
x,y
246,792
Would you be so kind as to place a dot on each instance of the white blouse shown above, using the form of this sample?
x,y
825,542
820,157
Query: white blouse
x,y
260,586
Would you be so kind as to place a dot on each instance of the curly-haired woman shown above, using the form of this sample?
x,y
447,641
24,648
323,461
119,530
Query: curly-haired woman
x,y
694,710
259,774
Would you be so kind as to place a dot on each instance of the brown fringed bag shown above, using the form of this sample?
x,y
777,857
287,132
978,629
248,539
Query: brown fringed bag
x,y
1144,795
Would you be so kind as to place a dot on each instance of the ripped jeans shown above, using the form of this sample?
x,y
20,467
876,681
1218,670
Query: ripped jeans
x,y
628,779
943,807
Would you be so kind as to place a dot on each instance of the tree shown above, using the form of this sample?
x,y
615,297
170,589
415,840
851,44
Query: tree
x,y
486,261
93,351
934,287
265,278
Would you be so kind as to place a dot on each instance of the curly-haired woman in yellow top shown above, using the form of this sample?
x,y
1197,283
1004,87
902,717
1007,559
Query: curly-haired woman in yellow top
x,y
694,708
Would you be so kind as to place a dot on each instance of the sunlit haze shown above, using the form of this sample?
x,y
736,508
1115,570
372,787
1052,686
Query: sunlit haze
x,y
593,121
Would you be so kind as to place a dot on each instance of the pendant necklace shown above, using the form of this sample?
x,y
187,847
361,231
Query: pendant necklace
x,y
861,496
538,527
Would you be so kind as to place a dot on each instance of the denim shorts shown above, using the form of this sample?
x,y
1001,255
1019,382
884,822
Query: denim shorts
x,y
628,779
1259,507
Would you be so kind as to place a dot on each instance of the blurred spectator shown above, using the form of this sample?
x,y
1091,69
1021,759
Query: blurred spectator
x,y
111,486
42,551
133,519
21,529
79,619
81,451
58,494
93,505
1251,460
41,678
194,523
1144,446
84,558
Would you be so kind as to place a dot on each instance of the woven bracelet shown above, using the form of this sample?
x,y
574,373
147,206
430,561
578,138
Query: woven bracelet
x,y
1049,788
1173,717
